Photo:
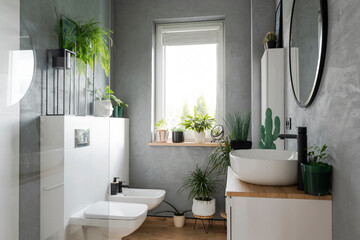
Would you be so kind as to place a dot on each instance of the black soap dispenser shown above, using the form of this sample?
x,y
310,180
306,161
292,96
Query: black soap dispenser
x,y
114,186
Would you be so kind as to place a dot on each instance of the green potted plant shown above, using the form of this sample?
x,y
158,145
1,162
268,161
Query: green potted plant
x,y
316,174
87,39
118,107
270,40
268,136
178,134
161,131
219,158
202,189
178,216
238,125
103,105
199,123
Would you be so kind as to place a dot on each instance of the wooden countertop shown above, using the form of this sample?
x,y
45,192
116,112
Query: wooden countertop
x,y
238,188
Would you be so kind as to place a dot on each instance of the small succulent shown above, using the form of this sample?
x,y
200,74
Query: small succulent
x,y
178,129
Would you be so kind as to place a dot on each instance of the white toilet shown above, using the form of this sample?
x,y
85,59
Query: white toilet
x,y
109,220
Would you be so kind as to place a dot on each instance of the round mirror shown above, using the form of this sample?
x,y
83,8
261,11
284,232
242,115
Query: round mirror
x,y
308,31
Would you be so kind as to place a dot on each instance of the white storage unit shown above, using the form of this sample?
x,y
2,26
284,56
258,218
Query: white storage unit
x,y
272,87
119,149
73,178
275,213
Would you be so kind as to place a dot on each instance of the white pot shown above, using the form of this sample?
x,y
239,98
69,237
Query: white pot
x,y
203,208
179,221
199,137
103,108
161,135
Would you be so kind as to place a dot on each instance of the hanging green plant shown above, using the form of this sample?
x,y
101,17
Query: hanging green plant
x,y
87,39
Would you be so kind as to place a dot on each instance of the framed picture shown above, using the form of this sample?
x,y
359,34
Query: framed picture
x,y
278,25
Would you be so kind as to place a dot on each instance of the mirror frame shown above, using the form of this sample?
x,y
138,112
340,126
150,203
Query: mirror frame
x,y
322,53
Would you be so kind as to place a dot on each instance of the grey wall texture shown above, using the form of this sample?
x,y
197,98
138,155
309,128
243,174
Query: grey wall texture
x,y
38,20
334,116
164,167
262,22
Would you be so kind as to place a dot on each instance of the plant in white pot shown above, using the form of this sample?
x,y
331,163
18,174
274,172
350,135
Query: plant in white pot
x,y
161,131
199,123
178,216
202,185
103,105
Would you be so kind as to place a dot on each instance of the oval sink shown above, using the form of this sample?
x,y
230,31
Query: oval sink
x,y
265,166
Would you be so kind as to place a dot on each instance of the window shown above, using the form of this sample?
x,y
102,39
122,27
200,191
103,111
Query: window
x,y
189,71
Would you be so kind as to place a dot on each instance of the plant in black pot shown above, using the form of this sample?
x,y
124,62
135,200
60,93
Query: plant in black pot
x,y
178,134
270,40
178,216
238,125
317,174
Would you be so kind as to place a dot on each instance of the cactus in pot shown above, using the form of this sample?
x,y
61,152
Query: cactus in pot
x,y
267,135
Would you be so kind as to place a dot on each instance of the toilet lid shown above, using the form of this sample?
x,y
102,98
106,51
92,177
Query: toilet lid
x,y
115,210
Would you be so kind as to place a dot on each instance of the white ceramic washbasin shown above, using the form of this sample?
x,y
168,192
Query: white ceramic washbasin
x,y
151,197
265,166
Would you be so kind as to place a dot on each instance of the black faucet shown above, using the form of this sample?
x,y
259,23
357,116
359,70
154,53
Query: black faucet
x,y
302,150
121,186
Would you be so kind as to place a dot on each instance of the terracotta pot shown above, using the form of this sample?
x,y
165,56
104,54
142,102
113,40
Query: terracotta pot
x,y
179,221
161,135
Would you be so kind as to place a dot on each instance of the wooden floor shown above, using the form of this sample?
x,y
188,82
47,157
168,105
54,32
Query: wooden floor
x,y
163,228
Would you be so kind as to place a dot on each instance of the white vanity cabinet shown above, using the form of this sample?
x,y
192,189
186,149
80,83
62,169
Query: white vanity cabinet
x,y
275,213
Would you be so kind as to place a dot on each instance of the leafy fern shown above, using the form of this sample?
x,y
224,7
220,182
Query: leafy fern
x,y
87,39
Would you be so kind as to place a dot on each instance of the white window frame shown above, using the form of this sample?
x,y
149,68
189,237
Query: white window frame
x,y
162,29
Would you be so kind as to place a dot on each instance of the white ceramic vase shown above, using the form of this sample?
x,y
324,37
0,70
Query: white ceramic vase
x,y
179,221
103,108
203,208
199,137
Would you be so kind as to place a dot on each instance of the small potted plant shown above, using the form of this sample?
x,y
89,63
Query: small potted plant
x,y
316,174
268,136
199,123
119,107
103,105
202,185
178,216
178,134
238,125
161,131
270,40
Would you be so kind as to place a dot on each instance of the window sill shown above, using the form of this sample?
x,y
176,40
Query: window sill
x,y
183,144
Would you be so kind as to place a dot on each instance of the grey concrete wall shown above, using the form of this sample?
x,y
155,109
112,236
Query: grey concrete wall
x,y
334,116
39,20
164,167
262,22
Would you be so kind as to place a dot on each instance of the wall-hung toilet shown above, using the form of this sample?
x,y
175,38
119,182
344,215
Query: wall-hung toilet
x,y
107,220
